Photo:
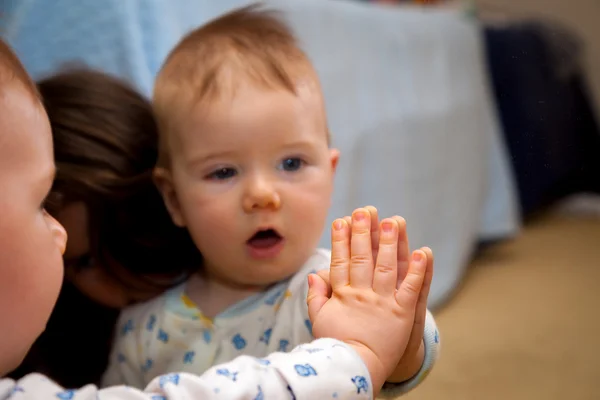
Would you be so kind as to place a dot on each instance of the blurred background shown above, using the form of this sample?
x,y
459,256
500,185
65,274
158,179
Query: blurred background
x,y
475,120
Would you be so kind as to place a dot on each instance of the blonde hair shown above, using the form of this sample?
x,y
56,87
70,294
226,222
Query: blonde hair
x,y
250,43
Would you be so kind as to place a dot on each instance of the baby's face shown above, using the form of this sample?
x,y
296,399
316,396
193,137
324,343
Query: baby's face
x,y
31,242
253,177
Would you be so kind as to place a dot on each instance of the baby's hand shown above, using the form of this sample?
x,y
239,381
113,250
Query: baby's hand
x,y
365,306
412,360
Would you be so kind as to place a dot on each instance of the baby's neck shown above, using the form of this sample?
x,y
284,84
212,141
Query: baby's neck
x,y
213,296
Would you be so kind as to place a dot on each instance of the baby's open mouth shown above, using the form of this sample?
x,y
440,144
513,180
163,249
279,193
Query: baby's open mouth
x,y
264,239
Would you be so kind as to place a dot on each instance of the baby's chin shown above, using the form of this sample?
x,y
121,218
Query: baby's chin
x,y
259,282
255,272
11,361
271,279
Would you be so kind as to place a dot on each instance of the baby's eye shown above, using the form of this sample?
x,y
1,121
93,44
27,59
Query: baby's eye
x,y
291,164
222,174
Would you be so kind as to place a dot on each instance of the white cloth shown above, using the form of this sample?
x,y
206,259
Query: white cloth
x,y
170,333
323,369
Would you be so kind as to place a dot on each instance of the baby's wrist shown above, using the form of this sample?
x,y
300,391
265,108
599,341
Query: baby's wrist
x,y
376,369
408,366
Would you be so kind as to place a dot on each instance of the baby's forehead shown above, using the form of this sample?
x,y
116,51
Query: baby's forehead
x,y
20,106
13,75
25,138
246,92
254,104
237,110
17,105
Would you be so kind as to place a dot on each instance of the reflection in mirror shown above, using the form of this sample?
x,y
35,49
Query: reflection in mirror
x,y
475,120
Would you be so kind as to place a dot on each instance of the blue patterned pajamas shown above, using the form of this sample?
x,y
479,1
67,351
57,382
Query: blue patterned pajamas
x,y
323,369
170,333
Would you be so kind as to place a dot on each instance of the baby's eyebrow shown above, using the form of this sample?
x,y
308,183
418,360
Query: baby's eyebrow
x,y
303,143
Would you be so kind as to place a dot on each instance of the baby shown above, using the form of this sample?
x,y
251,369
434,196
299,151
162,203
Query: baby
x,y
346,363
245,164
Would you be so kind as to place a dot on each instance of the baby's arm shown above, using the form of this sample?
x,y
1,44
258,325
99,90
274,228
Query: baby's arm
x,y
431,347
325,368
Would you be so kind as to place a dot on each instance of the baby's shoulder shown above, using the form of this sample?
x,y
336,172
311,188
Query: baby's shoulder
x,y
142,313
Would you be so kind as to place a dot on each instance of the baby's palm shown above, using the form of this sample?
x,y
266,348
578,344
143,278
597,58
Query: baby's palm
x,y
364,305
361,309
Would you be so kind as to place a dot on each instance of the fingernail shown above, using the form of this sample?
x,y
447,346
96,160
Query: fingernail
x,y
338,224
360,215
387,226
417,256
310,281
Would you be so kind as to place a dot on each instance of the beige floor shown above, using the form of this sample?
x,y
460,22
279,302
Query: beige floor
x,y
526,323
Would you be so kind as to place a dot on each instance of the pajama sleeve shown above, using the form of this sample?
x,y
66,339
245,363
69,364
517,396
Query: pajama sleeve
x,y
324,368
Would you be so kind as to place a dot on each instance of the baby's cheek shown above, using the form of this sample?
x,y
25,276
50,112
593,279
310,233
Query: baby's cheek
x,y
213,225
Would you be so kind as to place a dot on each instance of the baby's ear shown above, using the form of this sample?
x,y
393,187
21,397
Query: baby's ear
x,y
164,181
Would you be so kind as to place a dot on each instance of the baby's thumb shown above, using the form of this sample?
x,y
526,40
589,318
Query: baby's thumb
x,y
317,295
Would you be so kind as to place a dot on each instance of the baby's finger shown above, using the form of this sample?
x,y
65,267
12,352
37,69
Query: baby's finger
x,y
426,281
386,266
410,288
416,336
403,249
317,295
324,274
374,230
430,260
340,254
348,219
361,256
